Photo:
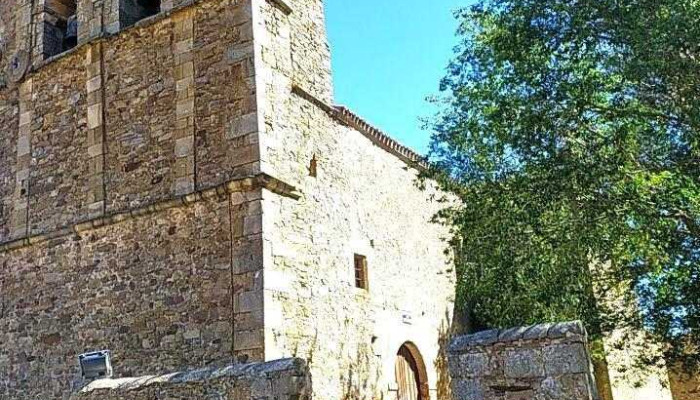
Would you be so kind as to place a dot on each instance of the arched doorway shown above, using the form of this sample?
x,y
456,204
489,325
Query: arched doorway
x,y
411,376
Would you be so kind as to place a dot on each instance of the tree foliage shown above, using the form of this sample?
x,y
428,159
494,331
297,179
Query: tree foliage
x,y
570,133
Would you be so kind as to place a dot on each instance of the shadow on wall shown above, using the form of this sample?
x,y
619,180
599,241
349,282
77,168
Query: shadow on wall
x,y
684,386
354,386
441,366
601,371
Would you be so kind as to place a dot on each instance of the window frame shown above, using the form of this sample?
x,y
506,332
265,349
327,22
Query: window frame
x,y
361,272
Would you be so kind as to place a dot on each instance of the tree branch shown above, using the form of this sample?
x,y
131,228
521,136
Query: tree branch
x,y
690,223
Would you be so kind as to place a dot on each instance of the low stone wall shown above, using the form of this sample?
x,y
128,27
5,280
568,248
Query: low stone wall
x,y
543,362
286,379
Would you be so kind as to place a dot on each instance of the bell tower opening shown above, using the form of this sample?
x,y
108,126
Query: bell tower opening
x,y
133,11
60,31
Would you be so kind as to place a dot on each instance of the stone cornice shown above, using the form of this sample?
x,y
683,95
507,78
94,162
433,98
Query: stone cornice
x,y
246,184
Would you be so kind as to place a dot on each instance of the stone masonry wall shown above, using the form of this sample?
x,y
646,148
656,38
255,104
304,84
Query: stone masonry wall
x,y
121,229
157,111
544,362
10,29
97,17
58,134
140,115
21,31
9,111
287,379
310,52
363,200
169,287
103,243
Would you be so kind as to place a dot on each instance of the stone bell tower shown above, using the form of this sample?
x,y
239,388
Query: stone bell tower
x,y
131,179
177,187
266,48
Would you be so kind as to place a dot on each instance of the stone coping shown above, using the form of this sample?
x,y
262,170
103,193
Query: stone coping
x,y
566,330
260,181
377,136
296,365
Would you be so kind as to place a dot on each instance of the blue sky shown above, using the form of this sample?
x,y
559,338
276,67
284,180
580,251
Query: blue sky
x,y
388,56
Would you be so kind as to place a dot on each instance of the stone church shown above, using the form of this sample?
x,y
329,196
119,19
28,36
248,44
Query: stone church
x,y
178,187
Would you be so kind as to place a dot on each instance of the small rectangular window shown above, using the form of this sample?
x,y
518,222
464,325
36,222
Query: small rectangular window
x,y
361,277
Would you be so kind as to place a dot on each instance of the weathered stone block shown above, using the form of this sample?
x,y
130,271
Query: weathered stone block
x,y
511,335
524,363
469,389
567,329
474,364
568,387
485,338
567,358
537,332
249,301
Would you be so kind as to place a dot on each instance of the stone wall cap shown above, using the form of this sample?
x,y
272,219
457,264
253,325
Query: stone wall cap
x,y
480,339
566,329
537,332
231,371
572,330
513,334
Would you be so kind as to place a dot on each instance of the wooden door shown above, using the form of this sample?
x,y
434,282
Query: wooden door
x,y
407,376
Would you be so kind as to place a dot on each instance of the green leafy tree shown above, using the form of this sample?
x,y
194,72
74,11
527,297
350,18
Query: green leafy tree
x,y
570,133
